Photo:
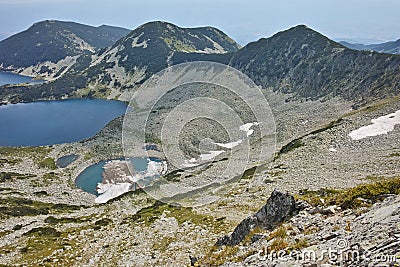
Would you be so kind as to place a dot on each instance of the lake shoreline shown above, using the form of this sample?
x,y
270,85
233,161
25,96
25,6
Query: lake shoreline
x,y
51,122
13,78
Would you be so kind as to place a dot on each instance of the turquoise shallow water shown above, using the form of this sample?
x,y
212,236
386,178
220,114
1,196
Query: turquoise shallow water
x,y
92,175
54,122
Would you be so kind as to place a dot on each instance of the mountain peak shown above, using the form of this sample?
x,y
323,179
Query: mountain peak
x,y
53,40
157,23
300,29
173,27
305,38
302,61
51,22
166,35
300,26
153,46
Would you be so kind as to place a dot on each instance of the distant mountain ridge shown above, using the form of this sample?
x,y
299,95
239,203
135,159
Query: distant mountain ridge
x,y
392,47
46,43
297,61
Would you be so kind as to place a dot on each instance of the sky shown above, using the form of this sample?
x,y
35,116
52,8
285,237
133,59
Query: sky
x,y
366,21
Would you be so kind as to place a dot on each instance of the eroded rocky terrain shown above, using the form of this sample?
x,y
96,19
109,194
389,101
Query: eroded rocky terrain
x,y
46,220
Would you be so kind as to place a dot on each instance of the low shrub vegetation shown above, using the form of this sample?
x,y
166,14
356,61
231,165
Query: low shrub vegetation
x,y
363,195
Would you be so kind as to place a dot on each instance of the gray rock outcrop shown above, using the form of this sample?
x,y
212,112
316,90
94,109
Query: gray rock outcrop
x,y
280,207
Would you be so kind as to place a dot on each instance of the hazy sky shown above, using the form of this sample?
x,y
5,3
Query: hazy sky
x,y
245,21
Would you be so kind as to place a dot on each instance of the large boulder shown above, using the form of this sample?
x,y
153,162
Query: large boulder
x,y
279,208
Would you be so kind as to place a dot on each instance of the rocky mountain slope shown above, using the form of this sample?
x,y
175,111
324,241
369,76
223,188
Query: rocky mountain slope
x,y
319,236
299,61
392,47
149,49
50,46
308,64
45,219
118,69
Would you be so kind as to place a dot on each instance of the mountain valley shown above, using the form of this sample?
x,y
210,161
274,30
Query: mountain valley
x,y
318,92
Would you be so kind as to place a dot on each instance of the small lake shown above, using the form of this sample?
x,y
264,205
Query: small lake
x,y
66,160
55,122
92,175
13,78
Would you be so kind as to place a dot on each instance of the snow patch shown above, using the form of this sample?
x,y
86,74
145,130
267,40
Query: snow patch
x,y
211,155
110,191
247,128
379,126
229,145
332,149
203,157
117,178
188,163
156,168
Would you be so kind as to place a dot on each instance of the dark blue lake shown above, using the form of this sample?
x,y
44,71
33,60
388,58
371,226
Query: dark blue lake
x,y
54,122
12,78
92,175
